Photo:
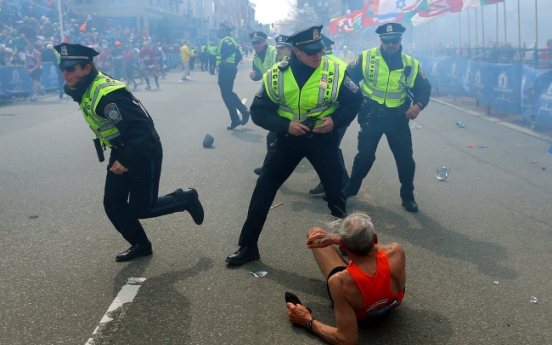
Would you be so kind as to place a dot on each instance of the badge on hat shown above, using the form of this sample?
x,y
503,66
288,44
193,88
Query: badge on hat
x,y
315,34
389,28
64,51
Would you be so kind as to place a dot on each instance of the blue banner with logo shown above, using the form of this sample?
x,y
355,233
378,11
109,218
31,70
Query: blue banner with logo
x,y
16,81
512,88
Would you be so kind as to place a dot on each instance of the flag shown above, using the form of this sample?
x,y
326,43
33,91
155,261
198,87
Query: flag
x,y
432,9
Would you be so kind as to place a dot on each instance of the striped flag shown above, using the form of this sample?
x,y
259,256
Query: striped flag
x,y
432,9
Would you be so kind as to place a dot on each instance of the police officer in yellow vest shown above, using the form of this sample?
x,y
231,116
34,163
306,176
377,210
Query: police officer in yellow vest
x,y
265,55
396,90
304,99
328,54
121,123
226,60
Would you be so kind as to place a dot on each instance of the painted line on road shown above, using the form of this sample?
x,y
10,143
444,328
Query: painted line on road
x,y
126,295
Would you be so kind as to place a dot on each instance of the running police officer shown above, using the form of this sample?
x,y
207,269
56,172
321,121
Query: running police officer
x,y
396,90
121,123
264,57
283,49
227,52
305,127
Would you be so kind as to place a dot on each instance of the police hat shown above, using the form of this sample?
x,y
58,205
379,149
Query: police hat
x,y
223,26
390,30
281,42
327,41
309,38
257,36
72,54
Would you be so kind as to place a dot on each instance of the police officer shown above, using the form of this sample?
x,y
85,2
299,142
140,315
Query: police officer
x,y
227,61
396,90
121,123
283,49
328,54
264,57
305,127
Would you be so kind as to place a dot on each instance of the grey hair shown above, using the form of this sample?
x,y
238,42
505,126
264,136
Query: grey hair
x,y
356,232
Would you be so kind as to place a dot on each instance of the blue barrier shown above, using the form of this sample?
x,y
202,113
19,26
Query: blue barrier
x,y
15,81
512,88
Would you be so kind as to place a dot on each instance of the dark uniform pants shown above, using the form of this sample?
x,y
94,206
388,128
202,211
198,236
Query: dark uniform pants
x,y
396,129
212,63
282,158
133,195
227,74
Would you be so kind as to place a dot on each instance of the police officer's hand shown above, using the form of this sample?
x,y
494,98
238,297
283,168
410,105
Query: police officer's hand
x,y
297,128
252,74
117,168
413,112
326,127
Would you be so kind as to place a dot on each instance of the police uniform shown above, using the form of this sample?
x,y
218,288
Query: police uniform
x,y
326,91
212,51
390,83
121,123
265,59
328,54
281,42
227,62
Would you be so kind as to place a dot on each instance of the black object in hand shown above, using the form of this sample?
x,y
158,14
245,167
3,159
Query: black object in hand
x,y
292,298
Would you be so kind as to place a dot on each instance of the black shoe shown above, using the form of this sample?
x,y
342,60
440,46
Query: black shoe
x,y
195,209
134,252
410,205
318,189
232,126
292,298
243,255
245,117
258,171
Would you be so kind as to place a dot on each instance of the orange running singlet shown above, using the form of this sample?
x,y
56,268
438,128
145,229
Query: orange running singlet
x,y
376,290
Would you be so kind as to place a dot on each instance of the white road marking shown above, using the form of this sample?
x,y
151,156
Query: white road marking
x,y
126,295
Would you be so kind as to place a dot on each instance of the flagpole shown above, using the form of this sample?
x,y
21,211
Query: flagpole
x,y
460,31
476,33
536,27
505,33
497,24
519,32
469,35
60,20
482,28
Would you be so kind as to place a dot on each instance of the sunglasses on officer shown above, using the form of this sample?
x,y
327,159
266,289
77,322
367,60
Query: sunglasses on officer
x,y
312,52
394,40
69,69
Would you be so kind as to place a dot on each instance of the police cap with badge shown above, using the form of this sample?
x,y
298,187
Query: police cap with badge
x,y
281,42
390,31
308,39
72,54
257,36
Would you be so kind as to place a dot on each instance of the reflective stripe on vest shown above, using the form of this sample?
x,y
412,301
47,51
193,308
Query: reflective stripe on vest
x,y
102,127
386,87
317,98
231,58
269,60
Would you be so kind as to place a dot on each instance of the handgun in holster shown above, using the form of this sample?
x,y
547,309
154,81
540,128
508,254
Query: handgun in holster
x,y
99,149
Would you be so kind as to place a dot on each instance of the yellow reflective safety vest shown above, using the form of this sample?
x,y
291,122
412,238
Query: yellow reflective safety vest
x,y
269,60
386,87
231,58
329,55
104,129
317,98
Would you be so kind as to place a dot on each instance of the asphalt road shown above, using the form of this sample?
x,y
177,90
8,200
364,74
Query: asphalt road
x,y
478,250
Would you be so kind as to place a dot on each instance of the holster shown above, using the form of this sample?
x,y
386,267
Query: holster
x,y
99,149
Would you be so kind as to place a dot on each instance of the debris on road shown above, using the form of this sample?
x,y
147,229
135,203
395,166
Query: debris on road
x,y
258,273
534,300
277,205
460,124
442,173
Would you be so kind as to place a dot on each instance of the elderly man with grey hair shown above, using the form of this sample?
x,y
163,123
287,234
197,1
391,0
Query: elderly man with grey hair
x,y
370,284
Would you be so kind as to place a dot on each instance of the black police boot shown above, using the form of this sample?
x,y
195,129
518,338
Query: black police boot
x,y
195,209
258,171
318,189
233,125
410,205
134,252
245,117
243,255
